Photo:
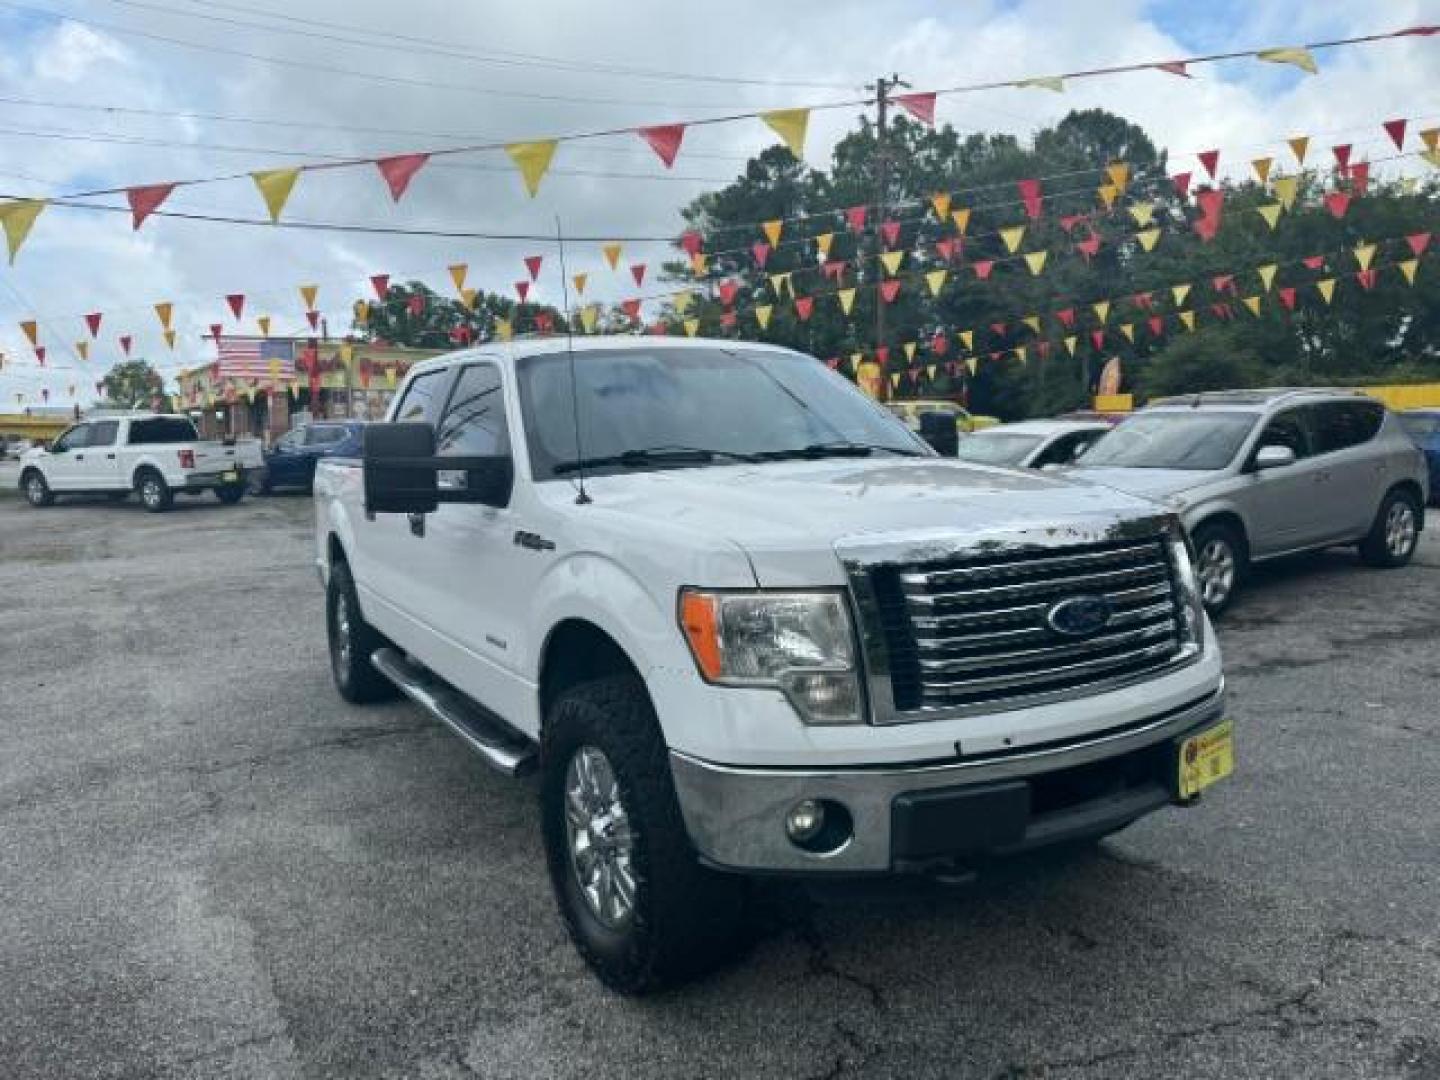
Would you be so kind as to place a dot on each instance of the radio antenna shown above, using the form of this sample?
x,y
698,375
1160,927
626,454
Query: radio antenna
x,y
582,498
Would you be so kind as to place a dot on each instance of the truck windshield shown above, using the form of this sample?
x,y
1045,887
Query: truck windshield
x,y
1172,440
638,408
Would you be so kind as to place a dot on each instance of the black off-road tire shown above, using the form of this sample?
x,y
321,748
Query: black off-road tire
x,y
155,494
37,491
230,494
1390,543
687,920
1205,539
356,678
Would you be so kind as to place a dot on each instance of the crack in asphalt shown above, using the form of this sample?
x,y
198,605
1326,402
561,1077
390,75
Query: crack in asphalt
x,y
346,740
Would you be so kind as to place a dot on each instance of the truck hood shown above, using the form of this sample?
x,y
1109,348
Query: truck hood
x,y
784,514
1147,483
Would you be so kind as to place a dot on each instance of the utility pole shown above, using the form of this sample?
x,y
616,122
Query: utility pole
x,y
882,88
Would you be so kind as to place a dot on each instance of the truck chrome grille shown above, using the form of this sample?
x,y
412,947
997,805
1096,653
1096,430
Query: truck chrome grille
x,y
975,631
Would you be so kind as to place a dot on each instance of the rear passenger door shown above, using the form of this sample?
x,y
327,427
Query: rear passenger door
x,y
1355,464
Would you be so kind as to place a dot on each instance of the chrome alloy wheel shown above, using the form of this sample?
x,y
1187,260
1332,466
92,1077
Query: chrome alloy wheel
x,y
601,845
151,492
342,632
1400,529
35,491
1216,571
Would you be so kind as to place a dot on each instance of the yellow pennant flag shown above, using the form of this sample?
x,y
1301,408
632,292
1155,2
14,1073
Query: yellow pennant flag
x,y
1070,341
683,300
170,339
936,280
347,355
1298,145
164,311
1119,174
698,263
762,314
1128,329
1149,237
1267,275
772,230
847,299
82,348
309,293
1253,303
457,275
275,187
1107,194
588,314
910,350
391,374
1363,254
1020,353
895,380
1301,58
1188,318
967,338
504,329
941,203
1036,261
692,327
779,283
533,161
1042,82
972,363
17,218
823,242
930,372
961,218
467,297
579,281
362,312
1271,213
1179,292
1012,237
1033,322
1261,165
790,125
1142,213
263,321
1285,188
1431,138
1102,311
891,261
1326,289
1408,268
612,255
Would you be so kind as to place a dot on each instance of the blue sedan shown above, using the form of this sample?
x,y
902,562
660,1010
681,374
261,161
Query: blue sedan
x,y
1424,427
290,463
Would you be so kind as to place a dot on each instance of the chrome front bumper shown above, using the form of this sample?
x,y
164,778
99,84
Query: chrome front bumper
x,y
735,815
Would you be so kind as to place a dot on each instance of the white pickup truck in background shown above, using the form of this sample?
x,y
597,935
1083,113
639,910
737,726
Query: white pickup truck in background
x,y
155,455
743,622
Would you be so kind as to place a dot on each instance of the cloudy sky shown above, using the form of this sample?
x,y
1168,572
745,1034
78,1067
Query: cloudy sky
x,y
110,93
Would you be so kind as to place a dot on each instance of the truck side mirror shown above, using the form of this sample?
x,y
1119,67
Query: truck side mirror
x,y
942,431
399,475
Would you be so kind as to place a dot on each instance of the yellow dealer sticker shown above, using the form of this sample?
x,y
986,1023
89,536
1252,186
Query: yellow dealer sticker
x,y
1206,758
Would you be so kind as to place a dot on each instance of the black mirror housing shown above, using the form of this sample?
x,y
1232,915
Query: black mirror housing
x,y
399,476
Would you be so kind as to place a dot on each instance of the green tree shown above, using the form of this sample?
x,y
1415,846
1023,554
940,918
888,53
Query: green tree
x,y
415,316
132,383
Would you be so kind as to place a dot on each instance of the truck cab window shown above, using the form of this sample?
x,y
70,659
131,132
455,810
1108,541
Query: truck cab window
x,y
103,433
474,424
77,438
423,398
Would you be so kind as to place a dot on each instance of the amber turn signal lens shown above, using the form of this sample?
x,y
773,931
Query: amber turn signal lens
x,y
699,620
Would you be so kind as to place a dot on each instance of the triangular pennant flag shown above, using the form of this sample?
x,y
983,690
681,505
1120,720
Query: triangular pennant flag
x,y
263,321
532,265
1174,67
1179,292
1070,342
362,312
1314,262
1418,242
631,309
1035,260
237,304
1033,322
1431,138
458,273
921,106
941,204
1285,189
309,293
889,290
1408,267
946,248
692,327
972,363
1396,130
1432,156
1253,303
1181,181
895,380
588,314
1267,275
1211,160
579,281
533,161
1149,237
1298,145
1142,213
17,218
637,271
1128,329
1089,246
1119,174
790,125
761,251
804,305
145,200
1363,254
275,186
982,268
682,300
398,171
1366,278
1102,310
1287,297
1188,318
1066,317
822,244
1053,83
1360,177
936,280
1261,165
612,254
170,338
772,230
961,218
522,290
891,260
1299,57
1012,237
1342,156
1108,193
846,298
855,218
381,284
762,314
1030,196
92,322
967,338
664,140
82,349
781,282
1222,283
504,330
468,296
1271,213
1097,339
727,290
890,232
164,311
1156,324
125,342
1207,227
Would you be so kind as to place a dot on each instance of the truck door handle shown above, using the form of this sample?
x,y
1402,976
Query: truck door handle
x,y
109,457
417,524
79,457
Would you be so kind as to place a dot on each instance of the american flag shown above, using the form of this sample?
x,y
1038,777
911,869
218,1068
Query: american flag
x,y
251,358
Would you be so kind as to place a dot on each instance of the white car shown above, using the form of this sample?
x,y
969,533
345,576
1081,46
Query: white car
x,y
1032,444
743,622
155,455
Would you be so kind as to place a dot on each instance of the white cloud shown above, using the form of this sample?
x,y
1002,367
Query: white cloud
x,y
72,52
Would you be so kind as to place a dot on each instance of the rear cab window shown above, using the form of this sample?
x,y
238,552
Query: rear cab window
x,y
160,430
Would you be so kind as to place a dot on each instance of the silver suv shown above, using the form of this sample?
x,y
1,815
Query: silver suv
x,y
1256,474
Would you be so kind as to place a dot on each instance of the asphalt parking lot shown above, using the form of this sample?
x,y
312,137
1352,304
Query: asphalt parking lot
x,y
212,867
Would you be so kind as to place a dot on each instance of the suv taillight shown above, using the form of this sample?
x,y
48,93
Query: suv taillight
x,y
187,459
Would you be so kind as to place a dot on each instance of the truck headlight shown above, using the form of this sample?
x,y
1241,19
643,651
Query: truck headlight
x,y
1192,604
800,643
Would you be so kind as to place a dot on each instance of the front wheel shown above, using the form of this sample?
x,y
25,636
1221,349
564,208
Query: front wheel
x,y
37,492
352,642
641,910
1219,565
230,494
155,494
1395,532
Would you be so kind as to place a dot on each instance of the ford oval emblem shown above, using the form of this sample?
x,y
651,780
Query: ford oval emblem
x,y
1079,616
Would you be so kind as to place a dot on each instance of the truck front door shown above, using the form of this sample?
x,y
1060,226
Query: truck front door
x,y
96,467
65,459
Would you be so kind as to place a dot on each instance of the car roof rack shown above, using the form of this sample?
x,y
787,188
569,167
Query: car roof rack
x,y
1262,396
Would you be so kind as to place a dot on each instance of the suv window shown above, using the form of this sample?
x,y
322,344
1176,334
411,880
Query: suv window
x,y
474,424
77,438
1289,428
423,398
103,433
1342,424
161,429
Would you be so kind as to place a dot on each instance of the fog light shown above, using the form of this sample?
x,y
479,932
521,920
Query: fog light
x,y
805,820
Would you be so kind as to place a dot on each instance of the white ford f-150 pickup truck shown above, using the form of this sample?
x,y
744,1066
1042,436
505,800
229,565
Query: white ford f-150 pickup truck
x,y
155,455
743,622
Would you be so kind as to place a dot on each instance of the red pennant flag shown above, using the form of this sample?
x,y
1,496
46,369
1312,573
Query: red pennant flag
x,y
381,284
631,308
237,303
1207,227
215,329
833,268
1287,297
727,290
761,251
1069,221
1418,243
664,140
523,288
40,354
1067,318
1089,246
144,201
804,305
416,305
399,170
1220,311
93,322
939,344
882,355
690,240
1157,325
998,329
855,218
1366,278
1143,300
313,318
1314,262
1210,159
532,264
1030,196
947,247
1337,202
1043,348
890,289
920,106
1223,283
544,322
1342,157
890,232
1396,130
1359,177
1182,183
125,340
1097,338
982,268
658,329
1174,67
1211,202
638,273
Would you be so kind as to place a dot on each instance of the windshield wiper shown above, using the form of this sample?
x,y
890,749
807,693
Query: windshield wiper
x,y
655,455
834,449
